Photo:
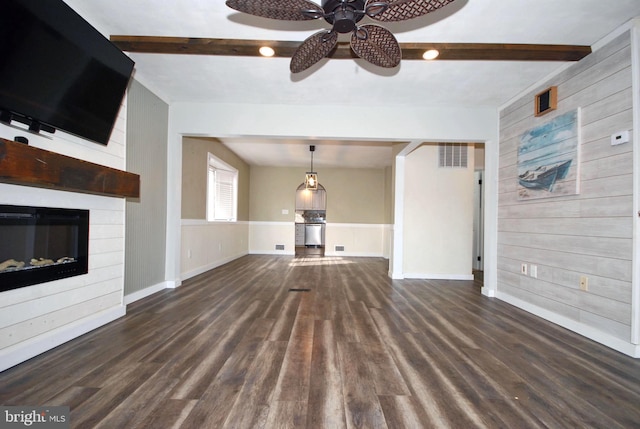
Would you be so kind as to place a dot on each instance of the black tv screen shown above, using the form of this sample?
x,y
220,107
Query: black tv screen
x,y
57,70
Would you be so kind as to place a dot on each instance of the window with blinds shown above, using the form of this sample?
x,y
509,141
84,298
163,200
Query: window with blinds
x,y
453,155
222,191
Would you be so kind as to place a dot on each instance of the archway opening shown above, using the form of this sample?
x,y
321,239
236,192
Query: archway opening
x,y
311,215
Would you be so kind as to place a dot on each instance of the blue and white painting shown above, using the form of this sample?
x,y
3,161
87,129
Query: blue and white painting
x,y
548,164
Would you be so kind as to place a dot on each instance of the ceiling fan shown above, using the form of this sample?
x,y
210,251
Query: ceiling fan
x,y
370,42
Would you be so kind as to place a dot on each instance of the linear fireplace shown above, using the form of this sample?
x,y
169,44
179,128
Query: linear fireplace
x,y
40,244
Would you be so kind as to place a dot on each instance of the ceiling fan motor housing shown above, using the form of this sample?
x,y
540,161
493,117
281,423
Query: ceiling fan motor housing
x,y
343,14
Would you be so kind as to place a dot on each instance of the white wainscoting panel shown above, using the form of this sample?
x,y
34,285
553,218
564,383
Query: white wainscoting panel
x,y
207,245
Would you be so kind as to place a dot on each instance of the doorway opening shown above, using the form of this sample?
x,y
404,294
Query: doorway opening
x,y
310,223
478,213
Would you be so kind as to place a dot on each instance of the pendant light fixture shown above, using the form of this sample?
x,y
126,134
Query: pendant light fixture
x,y
311,177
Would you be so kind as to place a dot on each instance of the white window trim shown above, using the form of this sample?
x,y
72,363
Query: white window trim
x,y
215,164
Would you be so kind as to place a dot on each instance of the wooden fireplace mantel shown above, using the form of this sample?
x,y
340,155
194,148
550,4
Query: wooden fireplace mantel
x,y
21,164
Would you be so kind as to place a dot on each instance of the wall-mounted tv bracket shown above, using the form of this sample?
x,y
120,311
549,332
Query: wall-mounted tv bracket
x,y
35,126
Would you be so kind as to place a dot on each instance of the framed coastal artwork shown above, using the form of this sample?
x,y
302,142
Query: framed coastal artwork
x,y
548,158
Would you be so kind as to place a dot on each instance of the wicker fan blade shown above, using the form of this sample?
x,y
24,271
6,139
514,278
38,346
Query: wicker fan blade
x,y
400,10
377,45
313,50
287,10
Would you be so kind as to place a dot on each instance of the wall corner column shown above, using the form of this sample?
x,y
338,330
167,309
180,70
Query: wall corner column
x,y
635,283
397,243
174,207
492,150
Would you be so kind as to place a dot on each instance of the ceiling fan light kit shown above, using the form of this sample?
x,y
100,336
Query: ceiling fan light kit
x,y
370,42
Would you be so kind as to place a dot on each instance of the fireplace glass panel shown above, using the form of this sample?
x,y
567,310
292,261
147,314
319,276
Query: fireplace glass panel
x,y
39,244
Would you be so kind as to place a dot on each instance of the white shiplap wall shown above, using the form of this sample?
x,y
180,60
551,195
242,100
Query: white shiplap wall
x,y
37,318
589,234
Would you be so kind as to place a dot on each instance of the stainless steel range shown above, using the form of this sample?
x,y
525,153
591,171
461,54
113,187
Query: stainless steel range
x,y
310,228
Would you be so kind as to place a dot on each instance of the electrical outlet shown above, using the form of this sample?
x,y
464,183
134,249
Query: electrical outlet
x,y
523,269
533,271
584,283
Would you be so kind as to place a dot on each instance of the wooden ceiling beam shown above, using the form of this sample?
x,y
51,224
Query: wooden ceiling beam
x,y
410,51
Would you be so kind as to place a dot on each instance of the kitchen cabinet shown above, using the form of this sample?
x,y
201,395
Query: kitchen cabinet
x,y
319,200
311,200
299,234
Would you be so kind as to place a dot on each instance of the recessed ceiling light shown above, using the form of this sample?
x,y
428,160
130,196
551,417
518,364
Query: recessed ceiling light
x,y
431,54
267,51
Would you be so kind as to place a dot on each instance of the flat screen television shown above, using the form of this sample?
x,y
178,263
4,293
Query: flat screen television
x,y
59,72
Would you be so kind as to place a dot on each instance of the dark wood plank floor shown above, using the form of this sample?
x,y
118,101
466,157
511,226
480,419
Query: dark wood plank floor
x,y
236,348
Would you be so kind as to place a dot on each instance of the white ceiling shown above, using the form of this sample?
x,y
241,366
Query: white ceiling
x,y
350,82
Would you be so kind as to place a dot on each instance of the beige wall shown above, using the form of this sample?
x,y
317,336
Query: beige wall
x,y
194,176
273,190
353,195
478,156
388,195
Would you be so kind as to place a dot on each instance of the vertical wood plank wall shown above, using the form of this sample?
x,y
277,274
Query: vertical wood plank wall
x,y
589,234
146,218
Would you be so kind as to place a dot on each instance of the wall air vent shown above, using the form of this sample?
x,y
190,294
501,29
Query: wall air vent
x,y
453,155
339,248
279,246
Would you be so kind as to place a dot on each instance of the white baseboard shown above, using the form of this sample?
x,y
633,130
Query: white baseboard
x,y
26,350
135,296
208,267
395,276
273,252
427,276
490,293
329,254
353,254
603,338
172,284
